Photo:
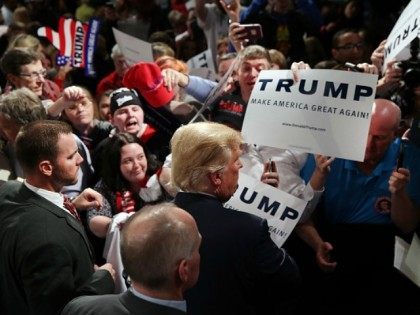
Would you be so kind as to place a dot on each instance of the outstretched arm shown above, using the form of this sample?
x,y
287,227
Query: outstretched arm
x,y
308,233
403,212
197,87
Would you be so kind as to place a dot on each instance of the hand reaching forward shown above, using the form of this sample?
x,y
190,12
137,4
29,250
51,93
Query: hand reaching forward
x,y
108,267
398,180
323,257
87,199
270,175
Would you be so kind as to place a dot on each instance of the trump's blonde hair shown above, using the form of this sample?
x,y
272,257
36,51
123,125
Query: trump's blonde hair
x,y
198,150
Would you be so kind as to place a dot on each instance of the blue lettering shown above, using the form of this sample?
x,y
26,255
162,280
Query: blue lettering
x,y
289,213
250,200
313,87
342,89
266,207
285,83
362,90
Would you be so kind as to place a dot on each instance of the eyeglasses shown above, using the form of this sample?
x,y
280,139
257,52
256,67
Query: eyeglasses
x,y
351,46
35,74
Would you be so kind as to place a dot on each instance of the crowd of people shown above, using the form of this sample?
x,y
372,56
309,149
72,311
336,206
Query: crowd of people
x,y
164,146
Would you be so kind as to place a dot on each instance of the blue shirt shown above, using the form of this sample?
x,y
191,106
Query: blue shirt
x,y
199,88
353,197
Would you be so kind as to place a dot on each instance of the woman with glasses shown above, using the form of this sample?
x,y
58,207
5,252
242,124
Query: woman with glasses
x,y
23,67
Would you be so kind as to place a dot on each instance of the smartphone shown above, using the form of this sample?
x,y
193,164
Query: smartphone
x,y
414,134
271,166
253,32
353,67
400,159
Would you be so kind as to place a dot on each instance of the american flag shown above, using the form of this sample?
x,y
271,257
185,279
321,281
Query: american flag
x,y
62,60
65,39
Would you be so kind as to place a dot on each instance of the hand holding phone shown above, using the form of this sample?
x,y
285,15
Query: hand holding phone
x,y
400,159
253,32
272,166
270,175
353,67
230,6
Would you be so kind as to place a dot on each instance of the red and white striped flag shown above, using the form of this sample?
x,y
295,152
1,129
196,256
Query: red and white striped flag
x,y
73,40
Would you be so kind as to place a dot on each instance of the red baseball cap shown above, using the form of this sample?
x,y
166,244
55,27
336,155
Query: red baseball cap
x,y
147,79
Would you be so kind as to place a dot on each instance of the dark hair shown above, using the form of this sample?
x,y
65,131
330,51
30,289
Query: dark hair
x,y
37,141
111,174
163,37
15,58
337,36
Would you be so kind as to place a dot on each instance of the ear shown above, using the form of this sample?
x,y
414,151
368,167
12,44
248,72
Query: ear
x,y
12,79
183,271
215,178
46,167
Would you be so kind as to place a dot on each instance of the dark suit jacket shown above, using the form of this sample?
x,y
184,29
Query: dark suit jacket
x,y
45,257
124,303
242,271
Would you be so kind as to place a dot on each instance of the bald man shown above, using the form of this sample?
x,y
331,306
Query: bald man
x,y
160,252
358,232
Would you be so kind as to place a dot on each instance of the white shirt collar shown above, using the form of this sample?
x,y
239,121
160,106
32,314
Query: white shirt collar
x,y
51,196
177,304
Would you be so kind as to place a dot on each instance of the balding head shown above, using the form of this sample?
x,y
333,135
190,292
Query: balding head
x,y
387,112
155,242
384,124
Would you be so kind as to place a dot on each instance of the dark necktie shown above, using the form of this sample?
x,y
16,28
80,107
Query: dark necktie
x,y
72,209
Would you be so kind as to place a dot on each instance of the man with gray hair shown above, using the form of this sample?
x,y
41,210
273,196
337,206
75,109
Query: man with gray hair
x,y
17,109
160,252
242,271
113,80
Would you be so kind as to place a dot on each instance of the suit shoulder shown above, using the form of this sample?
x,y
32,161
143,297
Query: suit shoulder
x,y
245,217
92,305
116,304
10,187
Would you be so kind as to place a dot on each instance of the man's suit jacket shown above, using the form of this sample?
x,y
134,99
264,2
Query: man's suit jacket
x,y
241,271
113,304
45,257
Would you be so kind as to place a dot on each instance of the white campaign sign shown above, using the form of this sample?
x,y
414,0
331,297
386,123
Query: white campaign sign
x,y
404,31
326,112
133,49
202,60
281,209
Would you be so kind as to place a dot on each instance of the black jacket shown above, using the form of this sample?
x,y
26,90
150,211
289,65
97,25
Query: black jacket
x,y
45,257
241,271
